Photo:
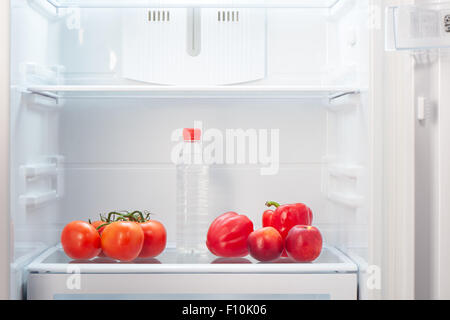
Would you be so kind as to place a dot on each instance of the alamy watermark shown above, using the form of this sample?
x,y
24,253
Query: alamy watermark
x,y
73,281
230,147
373,277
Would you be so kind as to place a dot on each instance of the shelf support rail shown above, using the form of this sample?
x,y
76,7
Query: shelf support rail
x,y
49,95
343,94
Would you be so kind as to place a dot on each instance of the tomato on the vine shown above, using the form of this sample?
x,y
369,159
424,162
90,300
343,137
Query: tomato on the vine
x,y
155,238
97,224
122,240
80,240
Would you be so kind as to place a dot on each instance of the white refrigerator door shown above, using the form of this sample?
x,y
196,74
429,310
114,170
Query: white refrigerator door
x,y
432,76
442,282
4,149
389,272
433,175
417,202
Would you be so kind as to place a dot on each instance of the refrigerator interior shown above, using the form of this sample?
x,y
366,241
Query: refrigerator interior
x,y
92,114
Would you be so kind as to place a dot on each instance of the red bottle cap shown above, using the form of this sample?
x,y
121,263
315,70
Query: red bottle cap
x,y
191,134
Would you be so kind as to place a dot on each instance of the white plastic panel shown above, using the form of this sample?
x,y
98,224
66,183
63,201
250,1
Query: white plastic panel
x,y
194,46
195,286
33,137
419,27
191,3
345,175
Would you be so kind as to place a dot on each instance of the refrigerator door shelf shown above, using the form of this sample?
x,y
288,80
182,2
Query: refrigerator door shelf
x,y
54,260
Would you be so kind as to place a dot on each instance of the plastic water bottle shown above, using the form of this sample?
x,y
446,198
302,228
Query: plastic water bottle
x,y
192,196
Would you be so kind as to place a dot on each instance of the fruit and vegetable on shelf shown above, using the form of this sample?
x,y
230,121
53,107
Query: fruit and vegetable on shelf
x,y
122,236
125,236
287,231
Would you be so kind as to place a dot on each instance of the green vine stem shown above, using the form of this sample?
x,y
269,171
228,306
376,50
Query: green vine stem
x,y
113,216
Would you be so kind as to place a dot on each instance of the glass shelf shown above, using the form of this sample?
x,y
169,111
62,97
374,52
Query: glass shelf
x,y
311,4
54,260
153,91
418,27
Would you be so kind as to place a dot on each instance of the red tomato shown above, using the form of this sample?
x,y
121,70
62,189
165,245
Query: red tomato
x,y
265,244
227,235
80,240
97,224
155,238
304,243
122,240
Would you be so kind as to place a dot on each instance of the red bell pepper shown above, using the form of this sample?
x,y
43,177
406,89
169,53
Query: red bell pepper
x,y
285,217
227,235
267,218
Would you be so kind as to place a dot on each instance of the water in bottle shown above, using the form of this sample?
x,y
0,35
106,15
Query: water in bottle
x,y
192,196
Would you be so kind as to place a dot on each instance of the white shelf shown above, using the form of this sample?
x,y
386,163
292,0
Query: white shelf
x,y
146,91
418,27
54,260
310,4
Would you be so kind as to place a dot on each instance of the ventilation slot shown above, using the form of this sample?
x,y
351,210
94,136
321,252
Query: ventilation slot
x,y
447,23
158,16
228,16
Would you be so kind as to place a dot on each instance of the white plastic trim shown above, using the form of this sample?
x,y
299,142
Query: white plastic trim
x,y
353,172
33,250
255,88
348,200
44,7
38,74
442,256
4,149
43,102
39,199
392,235
38,170
313,4
341,8
344,266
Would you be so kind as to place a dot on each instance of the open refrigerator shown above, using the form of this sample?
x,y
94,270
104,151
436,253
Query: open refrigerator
x,y
92,91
